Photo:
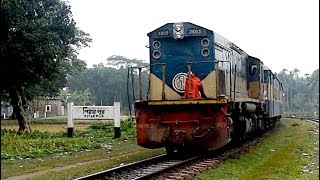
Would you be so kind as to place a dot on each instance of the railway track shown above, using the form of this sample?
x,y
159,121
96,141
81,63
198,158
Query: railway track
x,y
140,170
160,167
312,120
316,121
295,117
208,161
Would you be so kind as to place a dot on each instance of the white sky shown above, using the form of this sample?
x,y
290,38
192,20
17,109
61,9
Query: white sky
x,y
282,33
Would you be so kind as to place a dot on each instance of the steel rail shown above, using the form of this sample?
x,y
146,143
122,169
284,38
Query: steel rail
x,y
139,170
120,168
176,164
315,121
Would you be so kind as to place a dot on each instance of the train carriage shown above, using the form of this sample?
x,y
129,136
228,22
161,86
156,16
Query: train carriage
x,y
272,97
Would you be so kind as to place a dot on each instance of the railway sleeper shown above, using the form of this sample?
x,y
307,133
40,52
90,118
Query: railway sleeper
x,y
189,171
180,174
175,177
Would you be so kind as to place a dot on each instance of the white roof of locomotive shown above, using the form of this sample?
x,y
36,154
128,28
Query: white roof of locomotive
x,y
222,41
265,67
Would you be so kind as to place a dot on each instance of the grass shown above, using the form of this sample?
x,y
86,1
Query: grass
x,y
44,127
136,153
39,144
119,151
48,147
289,152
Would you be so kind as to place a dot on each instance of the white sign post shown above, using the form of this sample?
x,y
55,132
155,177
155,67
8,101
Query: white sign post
x,y
94,113
70,119
116,109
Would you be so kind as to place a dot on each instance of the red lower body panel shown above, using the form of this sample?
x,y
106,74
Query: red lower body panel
x,y
203,126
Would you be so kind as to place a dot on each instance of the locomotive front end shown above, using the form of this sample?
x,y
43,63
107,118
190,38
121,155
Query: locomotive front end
x,y
175,50
182,108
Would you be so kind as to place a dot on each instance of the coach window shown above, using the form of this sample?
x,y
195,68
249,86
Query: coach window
x,y
253,69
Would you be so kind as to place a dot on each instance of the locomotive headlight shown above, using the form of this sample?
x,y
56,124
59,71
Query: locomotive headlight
x,y
156,54
205,42
177,27
205,52
178,35
156,44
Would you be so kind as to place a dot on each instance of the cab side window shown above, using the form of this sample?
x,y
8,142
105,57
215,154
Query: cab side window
x,y
253,70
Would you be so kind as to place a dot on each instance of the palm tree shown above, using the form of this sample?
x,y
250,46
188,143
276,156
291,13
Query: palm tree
x,y
296,72
291,75
307,92
313,85
283,76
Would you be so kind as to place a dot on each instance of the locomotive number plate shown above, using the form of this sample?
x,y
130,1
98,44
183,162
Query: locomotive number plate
x,y
194,31
163,33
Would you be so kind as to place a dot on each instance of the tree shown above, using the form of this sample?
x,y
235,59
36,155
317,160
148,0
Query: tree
x,y
301,91
285,81
79,98
117,62
291,75
296,72
313,88
38,48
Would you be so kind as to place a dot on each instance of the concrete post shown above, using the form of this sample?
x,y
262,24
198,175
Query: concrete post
x,y
70,120
117,130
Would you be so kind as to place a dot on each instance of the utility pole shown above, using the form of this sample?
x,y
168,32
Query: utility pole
x,y
291,75
291,95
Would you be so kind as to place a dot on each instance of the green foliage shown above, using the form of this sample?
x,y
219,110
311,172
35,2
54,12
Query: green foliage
x,y
123,62
39,45
128,128
38,49
80,98
301,94
39,144
101,126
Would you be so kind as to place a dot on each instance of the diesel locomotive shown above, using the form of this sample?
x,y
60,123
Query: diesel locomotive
x,y
204,91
